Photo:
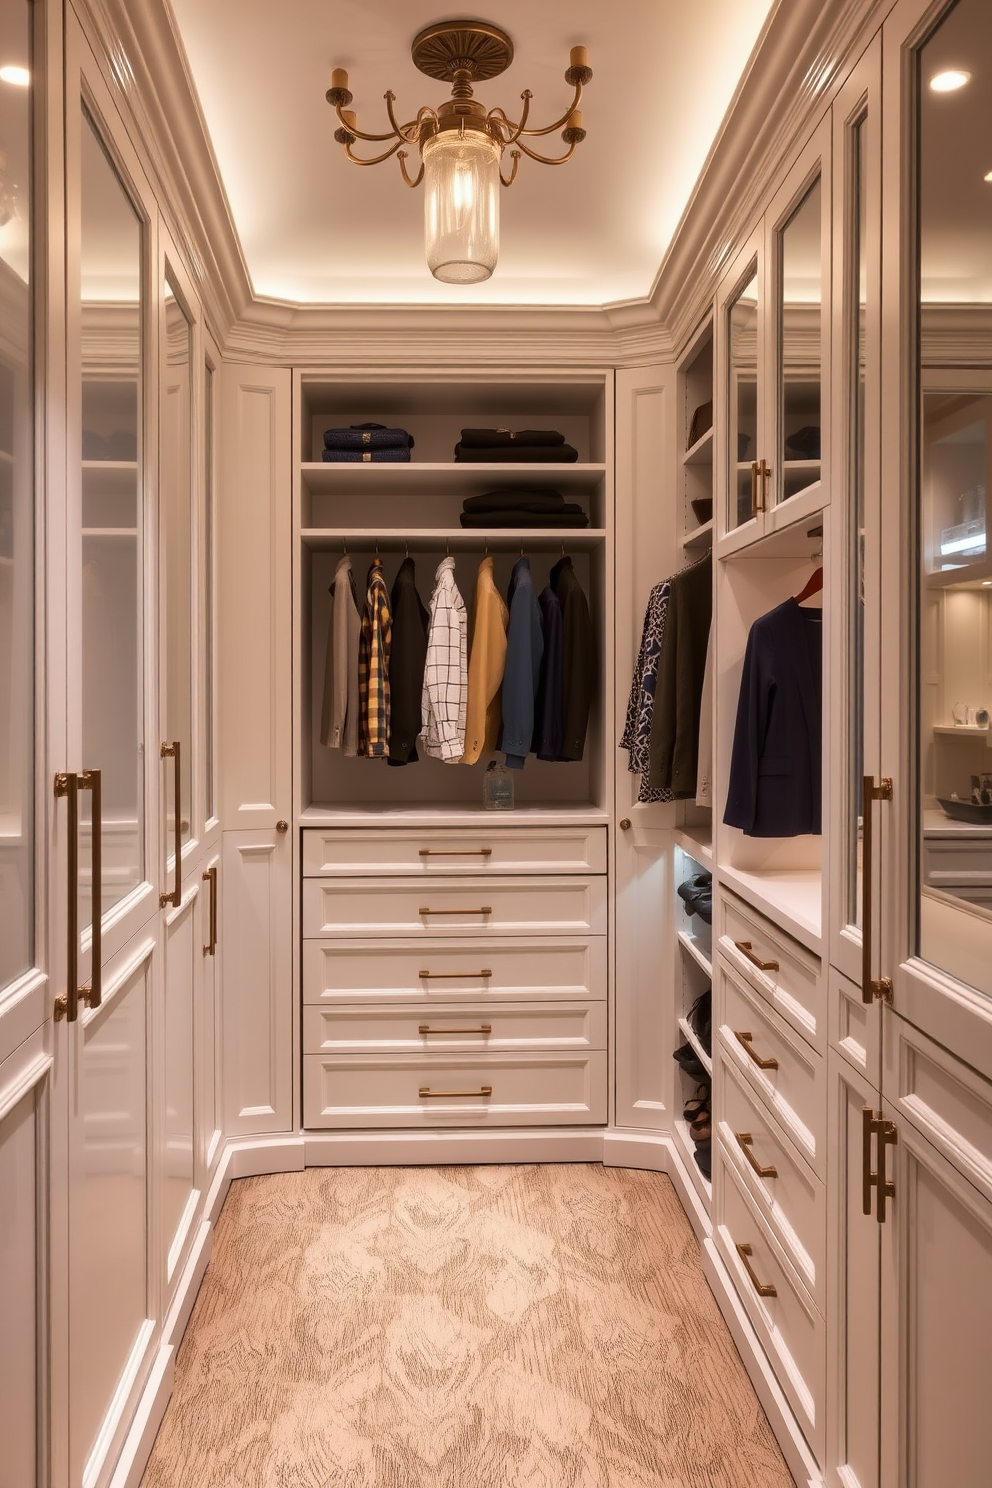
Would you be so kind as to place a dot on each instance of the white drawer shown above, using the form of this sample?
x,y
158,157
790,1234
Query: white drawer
x,y
357,1090
477,969
786,1190
792,1083
790,1327
951,861
410,1030
427,852
499,906
779,968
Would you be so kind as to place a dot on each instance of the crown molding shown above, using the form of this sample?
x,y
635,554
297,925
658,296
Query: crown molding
x,y
799,62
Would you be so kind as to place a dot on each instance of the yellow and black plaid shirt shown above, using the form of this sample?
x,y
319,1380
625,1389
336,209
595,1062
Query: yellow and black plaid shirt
x,y
373,668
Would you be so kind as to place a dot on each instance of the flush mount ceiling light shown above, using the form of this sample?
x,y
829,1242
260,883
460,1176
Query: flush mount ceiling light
x,y
949,81
461,143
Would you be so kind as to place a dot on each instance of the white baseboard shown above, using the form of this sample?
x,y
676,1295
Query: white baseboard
x,y
441,1148
794,1448
141,1436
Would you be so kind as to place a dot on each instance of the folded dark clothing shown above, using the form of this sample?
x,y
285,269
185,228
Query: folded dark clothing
x,y
560,518
510,454
511,497
536,508
503,438
374,457
367,436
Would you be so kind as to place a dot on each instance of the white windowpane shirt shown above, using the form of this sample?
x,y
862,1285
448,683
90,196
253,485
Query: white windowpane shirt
x,y
446,672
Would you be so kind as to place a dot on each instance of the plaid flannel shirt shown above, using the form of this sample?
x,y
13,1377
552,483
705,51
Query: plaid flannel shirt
x,y
373,667
445,695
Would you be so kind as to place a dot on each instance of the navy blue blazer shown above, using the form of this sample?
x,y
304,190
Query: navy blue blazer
x,y
524,649
775,766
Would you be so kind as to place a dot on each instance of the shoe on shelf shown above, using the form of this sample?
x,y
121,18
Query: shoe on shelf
x,y
699,1019
703,1157
690,1062
696,894
698,1102
700,1127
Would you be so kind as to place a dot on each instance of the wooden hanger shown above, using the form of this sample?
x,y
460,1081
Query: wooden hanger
x,y
813,585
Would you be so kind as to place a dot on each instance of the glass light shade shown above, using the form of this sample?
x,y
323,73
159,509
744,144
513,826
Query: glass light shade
x,y
461,205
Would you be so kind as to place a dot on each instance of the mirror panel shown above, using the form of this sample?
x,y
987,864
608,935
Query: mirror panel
x,y
954,573
800,302
858,310
742,339
176,498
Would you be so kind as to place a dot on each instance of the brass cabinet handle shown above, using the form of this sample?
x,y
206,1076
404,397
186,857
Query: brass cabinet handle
x,y
744,1141
755,504
744,946
744,1039
766,474
69,785
873,1122
173,751
282,826
482,1028
453,976
456,852
426,1093
882,986
763,1288
485,909
210,877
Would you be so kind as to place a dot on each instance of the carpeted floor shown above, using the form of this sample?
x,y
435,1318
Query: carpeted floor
x,y
498,1327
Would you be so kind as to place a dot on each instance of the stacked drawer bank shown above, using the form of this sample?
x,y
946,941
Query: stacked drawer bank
x,y
454,977
769,1170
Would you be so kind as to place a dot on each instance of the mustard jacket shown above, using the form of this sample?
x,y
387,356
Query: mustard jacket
x,y
487,658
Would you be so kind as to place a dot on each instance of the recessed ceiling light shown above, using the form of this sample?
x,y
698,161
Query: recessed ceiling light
x,y
949,81
19,76
987,176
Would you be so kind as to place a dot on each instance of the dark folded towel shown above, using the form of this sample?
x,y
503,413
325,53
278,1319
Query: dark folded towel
x,y
367,437
503,438
367,457
568,516
510,496
511,454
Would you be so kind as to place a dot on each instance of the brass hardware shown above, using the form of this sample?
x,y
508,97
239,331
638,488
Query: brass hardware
x,y
456,852
744,1039
93,994
880,987
68,784
763,1288
426,1093
744,946
453,976
482,1028
174,896
625,824
210,877
873,1122
765,472
485,909
282,826
755,506
744,1141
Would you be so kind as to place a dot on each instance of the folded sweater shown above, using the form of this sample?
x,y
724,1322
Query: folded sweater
x,y
504,438
570,515
516,454
367,457
367,436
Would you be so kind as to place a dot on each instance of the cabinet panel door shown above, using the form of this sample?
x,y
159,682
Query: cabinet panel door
x,y
257,1014
255,603
853,1255
936,1320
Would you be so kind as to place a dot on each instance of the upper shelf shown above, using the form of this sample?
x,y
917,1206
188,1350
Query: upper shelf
x,y
700,453
459,539
374,479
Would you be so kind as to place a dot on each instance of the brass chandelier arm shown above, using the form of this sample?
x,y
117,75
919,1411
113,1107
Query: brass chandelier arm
x,y
410,133
402,157
498,117
517,130
376,159
509,180
546,159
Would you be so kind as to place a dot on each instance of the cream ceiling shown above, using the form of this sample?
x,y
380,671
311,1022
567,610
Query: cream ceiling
x,y
315,229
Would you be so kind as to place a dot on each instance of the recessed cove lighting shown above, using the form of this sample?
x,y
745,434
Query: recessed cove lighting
x,y
987,176
19,76
949,81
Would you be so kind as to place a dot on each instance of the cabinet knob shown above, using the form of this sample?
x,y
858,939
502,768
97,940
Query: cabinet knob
x,y
625,824
282,826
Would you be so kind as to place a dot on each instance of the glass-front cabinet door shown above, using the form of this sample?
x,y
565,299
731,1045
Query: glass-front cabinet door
x,y
773,339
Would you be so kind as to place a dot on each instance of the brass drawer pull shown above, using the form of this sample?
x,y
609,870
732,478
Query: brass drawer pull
x,y
453,976
173,751
744,1039
744,946
426,1093
210,877
744,1141
763,1288
482,1028
485,909
456,852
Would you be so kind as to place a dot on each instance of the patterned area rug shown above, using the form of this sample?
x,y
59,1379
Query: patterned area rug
x,y
497,1327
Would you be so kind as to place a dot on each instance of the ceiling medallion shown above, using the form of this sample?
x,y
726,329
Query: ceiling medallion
x,y
461,143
